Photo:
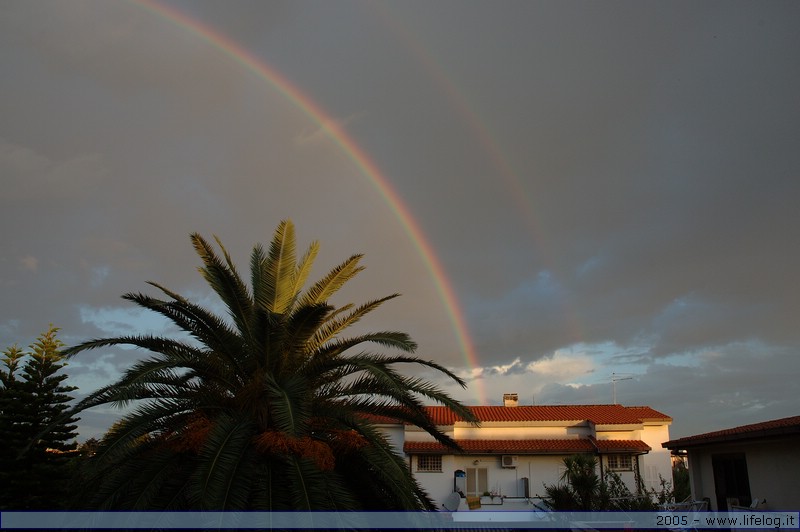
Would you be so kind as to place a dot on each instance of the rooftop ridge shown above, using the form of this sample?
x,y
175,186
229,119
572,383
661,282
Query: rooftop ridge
x,y
599,414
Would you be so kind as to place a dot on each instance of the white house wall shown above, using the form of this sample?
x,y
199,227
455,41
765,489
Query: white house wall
x,y
418,434
773,468
521,432
396,435
774,473
437,484
656,464
620,435
539,470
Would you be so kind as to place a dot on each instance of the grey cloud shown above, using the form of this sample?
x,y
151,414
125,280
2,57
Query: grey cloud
x,y
615,182
727,386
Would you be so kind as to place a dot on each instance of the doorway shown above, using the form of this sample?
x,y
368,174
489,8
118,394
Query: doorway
x,y
731,482
477,481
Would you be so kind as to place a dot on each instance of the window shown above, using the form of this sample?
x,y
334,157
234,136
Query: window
x,y
620,462
429,462
477,481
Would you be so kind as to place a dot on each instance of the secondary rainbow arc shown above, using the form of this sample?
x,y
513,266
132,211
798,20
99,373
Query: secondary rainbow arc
x,y
506,174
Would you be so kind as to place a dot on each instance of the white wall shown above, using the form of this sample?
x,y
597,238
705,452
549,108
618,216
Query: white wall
x,y
658,461
496,431
652,466
773,468
438,484
539,470
396,436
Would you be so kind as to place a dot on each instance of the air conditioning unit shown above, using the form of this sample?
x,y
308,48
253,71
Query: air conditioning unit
x,y
508,461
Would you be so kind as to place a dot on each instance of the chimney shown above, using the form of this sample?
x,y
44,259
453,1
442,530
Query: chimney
x,y
510,399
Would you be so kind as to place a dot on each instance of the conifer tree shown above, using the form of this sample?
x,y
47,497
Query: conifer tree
x,y
36,430
12,424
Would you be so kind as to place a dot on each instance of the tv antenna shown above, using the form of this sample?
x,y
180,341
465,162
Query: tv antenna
x,y
615,377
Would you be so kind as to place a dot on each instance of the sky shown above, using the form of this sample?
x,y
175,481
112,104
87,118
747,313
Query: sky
x,y
578,201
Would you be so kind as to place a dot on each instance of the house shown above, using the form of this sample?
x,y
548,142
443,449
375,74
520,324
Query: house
x,y
517,449
733,467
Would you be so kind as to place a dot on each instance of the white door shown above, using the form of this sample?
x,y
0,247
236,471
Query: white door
x,y
477,481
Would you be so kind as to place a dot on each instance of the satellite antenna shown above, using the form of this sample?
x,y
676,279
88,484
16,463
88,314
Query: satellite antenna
x,y
614,378
452,502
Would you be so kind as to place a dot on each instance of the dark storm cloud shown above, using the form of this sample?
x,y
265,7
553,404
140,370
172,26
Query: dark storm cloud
x,y
609,187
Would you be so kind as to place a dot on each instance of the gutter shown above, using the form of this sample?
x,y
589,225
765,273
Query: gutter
x,y
597,452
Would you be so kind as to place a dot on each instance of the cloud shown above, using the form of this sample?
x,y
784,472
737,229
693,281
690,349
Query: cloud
x,y
605,190
126,321
561,367
529,378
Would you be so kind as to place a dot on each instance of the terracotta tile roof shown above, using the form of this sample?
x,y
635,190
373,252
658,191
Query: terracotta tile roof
x,y
766,429
379,420
543,446
555,446
645,413
621,446
598,414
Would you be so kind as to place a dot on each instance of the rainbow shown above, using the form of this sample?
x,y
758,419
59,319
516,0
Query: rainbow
x,y
505,172
353,151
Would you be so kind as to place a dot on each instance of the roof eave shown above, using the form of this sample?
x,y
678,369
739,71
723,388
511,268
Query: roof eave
x,y
700,441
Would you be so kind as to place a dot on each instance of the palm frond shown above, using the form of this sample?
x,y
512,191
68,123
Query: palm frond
x,y
289,403
269,488
304,268
155,473
389,471
125,438
206,327
172,355
418,385
323,289
312,489
221,479
391,484
383,392
277,278
336,325
226,282
258,280
301,326
155,344
317,362
109,487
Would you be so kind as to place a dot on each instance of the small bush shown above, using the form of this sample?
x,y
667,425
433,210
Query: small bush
x,y
580,489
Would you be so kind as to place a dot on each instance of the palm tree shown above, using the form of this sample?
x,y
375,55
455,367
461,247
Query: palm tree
x,y
580,487
270,409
